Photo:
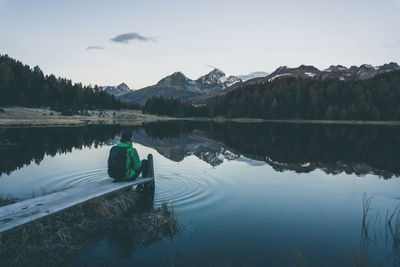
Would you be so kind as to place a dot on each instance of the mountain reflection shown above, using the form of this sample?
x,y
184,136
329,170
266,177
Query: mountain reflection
x,y
192,143
333,149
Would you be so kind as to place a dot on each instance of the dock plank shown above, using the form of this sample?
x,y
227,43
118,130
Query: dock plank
x,y
20,213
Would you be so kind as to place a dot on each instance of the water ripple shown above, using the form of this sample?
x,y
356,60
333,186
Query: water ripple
x,y
73,179
187,190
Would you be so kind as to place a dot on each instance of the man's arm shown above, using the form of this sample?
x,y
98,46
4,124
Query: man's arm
x,y
136,161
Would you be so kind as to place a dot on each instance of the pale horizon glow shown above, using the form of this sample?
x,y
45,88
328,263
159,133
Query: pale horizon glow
x,y
136,42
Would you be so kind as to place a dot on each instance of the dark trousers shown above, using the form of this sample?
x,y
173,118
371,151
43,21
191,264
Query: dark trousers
x,y
143,170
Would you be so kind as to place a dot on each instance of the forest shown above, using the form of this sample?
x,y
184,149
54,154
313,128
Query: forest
x,y
296,98
21,85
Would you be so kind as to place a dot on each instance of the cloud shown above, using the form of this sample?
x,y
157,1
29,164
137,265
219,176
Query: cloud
x,y
126,37
211,66
397,44
95,47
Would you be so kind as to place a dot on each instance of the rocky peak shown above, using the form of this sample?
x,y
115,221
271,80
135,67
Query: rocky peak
x,y
217,72
337,68
217,78
353,69
307,68
390,66
123,87
213,77
175,79
367,67
116,90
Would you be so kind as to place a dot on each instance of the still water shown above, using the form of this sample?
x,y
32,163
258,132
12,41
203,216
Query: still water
x,y
244,194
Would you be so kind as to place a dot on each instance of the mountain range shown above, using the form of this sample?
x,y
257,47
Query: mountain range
x,y
339,72
216,83
177,85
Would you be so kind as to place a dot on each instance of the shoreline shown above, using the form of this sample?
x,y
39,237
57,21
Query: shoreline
x,y
14,117
292,121
302,121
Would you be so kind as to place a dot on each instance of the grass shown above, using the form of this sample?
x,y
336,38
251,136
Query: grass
x,y
52,240
393,231
370,234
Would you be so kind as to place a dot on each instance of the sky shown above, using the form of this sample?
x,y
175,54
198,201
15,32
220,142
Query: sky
x,y
140,42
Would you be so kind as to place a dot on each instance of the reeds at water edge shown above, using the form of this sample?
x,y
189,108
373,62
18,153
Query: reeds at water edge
x,y
373,227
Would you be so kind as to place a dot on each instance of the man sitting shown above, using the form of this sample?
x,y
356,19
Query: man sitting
x,y
123,162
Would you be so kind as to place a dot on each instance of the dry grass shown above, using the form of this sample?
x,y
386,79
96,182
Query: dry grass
x,y
41,117
51,240
6,200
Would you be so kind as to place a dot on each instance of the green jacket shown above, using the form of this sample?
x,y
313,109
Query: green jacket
x,y
132,160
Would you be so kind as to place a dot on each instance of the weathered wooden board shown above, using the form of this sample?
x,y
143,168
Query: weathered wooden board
x,y
20,213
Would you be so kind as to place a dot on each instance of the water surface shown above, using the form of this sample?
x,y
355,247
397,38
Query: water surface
x,y
245,194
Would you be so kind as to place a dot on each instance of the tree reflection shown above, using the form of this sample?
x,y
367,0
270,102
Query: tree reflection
x,y
20,147
301,147
333,149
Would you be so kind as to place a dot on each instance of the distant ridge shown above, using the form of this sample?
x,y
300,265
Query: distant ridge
x,y
216,83
177,85
253,75
339,72
372,101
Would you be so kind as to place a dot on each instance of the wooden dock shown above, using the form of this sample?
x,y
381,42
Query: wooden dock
x,y
21,213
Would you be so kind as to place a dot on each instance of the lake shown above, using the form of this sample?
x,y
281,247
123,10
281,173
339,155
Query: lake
x,y
253,194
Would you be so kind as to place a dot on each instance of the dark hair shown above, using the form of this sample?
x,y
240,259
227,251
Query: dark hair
x,y
126,136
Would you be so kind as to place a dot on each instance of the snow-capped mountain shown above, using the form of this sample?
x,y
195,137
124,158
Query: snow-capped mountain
x,y
216,83
216,80
116,90
339,72
252,75
177,85
216,76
